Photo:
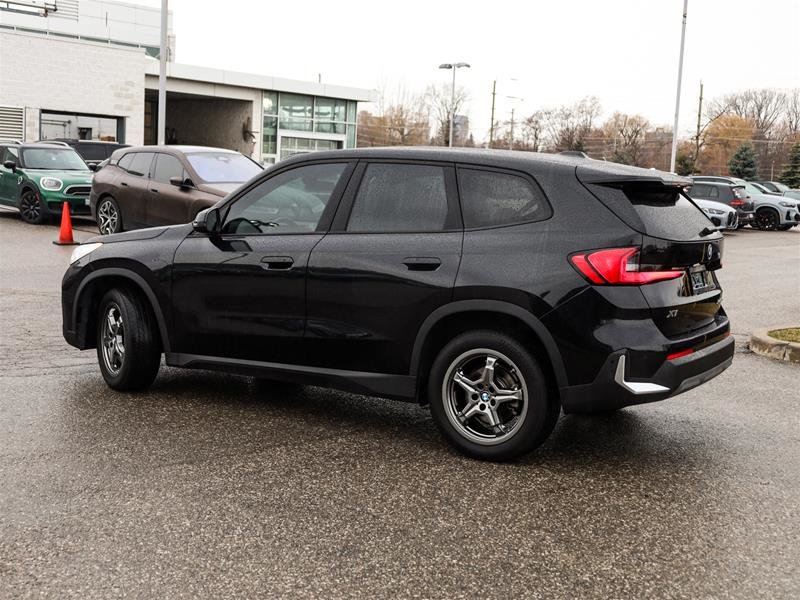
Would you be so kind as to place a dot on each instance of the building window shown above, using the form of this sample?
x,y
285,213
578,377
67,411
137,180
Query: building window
x,y
321,117
80,127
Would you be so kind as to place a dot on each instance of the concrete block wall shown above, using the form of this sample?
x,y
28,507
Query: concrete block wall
x,y
211,122
49,73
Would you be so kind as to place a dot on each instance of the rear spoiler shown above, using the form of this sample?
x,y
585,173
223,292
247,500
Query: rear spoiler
x,y
622,174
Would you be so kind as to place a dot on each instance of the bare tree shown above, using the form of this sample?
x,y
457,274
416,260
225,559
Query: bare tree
x,y
438,98
629,133
764,107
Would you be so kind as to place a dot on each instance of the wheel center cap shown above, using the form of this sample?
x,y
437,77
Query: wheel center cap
x,y
485,396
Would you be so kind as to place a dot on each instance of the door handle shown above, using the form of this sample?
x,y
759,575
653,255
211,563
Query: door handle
x,y
277,263
422,263
154,190
123,184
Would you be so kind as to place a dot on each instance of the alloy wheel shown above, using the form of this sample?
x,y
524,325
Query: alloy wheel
x,y
767,220
485,396
107,218
113,339
30,207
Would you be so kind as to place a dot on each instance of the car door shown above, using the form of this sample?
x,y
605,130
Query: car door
x,y
390,260
133,188
167,204
8,179
240,293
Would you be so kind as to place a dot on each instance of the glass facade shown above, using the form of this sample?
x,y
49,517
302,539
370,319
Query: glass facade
x,y
330,123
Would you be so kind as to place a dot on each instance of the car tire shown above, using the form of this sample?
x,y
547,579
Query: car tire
x,y
31,207
472,387
109,216
767,219
128,350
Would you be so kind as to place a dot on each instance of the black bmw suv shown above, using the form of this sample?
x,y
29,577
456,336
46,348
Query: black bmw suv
x,y
497,287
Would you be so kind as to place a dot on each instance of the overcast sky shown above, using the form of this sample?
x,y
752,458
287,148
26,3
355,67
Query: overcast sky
x,y
625,52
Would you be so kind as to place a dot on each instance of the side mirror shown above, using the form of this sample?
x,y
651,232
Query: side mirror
x,y
181,182
207,221
10,164
93,166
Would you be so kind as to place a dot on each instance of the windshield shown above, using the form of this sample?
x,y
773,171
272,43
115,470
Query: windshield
x,y
61,159
223,167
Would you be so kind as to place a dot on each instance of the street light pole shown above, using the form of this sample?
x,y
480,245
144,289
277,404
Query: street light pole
x,y
678,93
452,111
162,76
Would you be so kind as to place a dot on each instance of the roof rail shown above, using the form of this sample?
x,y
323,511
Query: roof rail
x,y
52,142
575,153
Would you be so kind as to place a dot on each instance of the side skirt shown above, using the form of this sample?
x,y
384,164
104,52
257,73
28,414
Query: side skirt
x,y
399,387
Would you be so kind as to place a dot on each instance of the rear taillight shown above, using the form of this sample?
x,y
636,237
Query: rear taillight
x,y
737,202
679,354
619,266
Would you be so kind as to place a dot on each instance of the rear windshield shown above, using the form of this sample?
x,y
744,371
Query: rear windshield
x,y
223,167
656,210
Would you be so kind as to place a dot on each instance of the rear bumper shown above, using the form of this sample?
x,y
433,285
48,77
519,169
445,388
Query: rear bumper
x,y
614,388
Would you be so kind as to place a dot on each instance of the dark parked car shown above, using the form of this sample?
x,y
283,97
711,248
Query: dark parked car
x,y
164,185
93,152
497,287
732,194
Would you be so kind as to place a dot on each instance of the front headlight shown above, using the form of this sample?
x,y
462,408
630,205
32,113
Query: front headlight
x,y
787,204
83,250
713,211
51,183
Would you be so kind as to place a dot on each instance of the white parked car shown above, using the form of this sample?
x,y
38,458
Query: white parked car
x,y
722,215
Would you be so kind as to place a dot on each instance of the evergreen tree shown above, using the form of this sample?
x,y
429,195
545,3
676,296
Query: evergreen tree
x,y
791,172
744,162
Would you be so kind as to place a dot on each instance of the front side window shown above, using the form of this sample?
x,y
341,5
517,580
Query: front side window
x,y
167,166
290,202
61,159
398,197
10,154
492,199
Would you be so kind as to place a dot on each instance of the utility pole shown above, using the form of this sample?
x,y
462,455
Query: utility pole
x,y
162,76
511,132
491,124
697,135
678,93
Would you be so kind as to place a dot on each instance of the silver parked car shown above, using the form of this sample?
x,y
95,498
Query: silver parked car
x,y
771,212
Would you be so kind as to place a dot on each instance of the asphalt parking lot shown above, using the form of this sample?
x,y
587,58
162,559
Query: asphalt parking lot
x,y
210,485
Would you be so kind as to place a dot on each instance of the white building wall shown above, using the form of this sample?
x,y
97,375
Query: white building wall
x,y
61,74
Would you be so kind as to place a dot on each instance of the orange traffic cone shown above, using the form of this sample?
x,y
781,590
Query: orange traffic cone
x,y
65,235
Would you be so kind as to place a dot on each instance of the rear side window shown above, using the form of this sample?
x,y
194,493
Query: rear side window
x,y
400,197
140,163
92,152
125,161
492,199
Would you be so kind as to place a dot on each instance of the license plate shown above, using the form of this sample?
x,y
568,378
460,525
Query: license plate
x,y
702,281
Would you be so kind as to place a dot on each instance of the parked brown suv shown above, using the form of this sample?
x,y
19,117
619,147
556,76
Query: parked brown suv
x,y
147,186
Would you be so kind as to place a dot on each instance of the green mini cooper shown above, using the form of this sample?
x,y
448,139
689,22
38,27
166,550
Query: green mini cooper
x,y
38,178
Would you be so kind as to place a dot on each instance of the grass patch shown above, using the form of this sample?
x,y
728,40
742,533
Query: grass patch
x,y
792,334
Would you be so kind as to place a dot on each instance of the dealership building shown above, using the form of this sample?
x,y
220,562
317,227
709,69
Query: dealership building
x,y
88,69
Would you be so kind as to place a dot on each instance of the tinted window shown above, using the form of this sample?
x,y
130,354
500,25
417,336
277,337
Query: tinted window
x,y
125,161
140,164
666,213
395,197
491,198
290,202
93,152
167,166
698,190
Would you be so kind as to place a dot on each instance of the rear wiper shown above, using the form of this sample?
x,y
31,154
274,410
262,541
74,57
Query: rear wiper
x,y
706,231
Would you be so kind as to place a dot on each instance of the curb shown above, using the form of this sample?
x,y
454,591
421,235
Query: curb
x,y
761,343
